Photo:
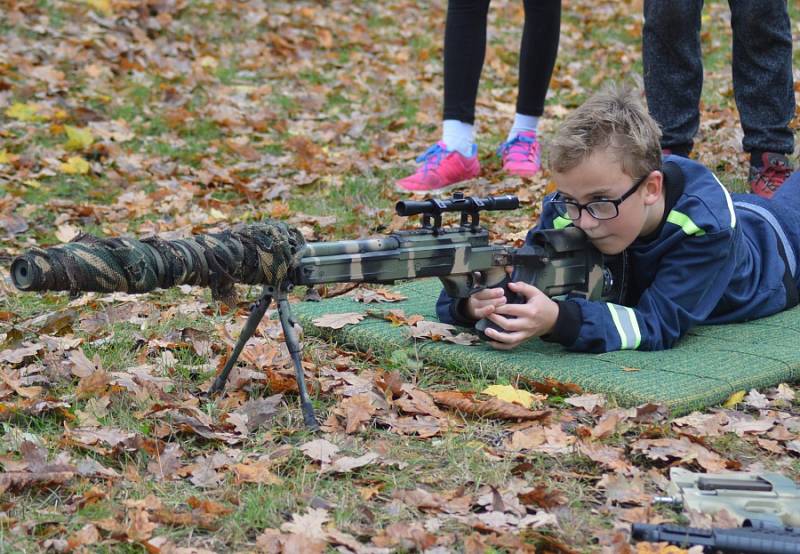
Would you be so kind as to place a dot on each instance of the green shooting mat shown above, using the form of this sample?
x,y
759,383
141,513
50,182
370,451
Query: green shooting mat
x,y
704,369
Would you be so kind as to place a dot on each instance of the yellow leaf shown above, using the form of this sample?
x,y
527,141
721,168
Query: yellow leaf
x,y
734,399
103,6
75,165
77,138
24,112
510,394
4,157
32,183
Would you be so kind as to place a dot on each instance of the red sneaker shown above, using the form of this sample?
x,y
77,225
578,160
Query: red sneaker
x,y
441,170
767,179
521,155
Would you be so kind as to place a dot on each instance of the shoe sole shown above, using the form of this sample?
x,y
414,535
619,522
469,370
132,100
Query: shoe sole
x,y
437,191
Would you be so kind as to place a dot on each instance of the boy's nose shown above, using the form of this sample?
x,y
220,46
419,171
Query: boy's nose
x,y
586,221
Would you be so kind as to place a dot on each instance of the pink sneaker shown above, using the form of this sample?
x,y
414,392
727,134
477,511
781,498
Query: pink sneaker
x,y
441,170
521,155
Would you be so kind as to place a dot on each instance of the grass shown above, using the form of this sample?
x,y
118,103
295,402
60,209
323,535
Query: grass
x,y
357,76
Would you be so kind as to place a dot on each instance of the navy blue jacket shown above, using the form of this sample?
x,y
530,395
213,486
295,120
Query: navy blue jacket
x,y
715,258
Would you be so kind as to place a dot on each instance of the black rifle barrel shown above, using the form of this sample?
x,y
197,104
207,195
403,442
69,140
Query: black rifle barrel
x,y
740,539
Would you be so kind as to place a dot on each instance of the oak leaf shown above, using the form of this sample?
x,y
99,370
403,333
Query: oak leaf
x,y
337,321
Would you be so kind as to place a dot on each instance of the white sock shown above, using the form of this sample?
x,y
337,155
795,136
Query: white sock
x,y
460,136
523,123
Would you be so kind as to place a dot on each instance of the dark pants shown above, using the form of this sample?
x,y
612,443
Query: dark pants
x,y
762,71
465,49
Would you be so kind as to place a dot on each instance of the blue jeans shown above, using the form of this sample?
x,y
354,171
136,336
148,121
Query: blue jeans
x,y
762,71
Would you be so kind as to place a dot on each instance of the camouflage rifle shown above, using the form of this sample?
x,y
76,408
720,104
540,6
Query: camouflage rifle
x,y
756,537
276,256
765,496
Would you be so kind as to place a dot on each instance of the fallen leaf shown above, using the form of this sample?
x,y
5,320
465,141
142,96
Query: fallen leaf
x,y
589,402
494,408
78,138
337,321
510,394
433,330
25,112
345,464
376,295
320,450
756,400
309,524
75,165
734,399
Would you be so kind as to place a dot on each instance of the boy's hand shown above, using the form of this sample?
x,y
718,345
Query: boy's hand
x,y
484,302
534,318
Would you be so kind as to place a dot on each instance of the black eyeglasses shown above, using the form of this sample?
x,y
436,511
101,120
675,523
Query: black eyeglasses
x,y
598,209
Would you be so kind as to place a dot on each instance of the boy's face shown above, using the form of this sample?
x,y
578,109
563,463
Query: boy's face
x,y
600,177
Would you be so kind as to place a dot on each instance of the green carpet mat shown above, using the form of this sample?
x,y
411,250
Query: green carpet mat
x,y
706,367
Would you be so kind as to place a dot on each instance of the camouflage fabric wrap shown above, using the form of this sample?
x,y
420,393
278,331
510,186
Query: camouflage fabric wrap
x,y
262,253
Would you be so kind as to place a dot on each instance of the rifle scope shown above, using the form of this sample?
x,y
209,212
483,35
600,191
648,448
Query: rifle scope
x,y
458,203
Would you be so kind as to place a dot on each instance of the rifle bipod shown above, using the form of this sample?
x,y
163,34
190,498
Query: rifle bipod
x,y
257,311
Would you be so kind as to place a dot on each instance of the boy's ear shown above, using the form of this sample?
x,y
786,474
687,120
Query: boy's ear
x,y
653,188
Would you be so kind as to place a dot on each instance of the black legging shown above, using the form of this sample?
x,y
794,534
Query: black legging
x,y
465,49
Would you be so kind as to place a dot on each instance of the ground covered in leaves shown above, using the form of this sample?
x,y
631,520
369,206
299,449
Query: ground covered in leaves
x,y
174,117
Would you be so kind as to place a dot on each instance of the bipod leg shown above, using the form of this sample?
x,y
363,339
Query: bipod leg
x,y
257,312
295,350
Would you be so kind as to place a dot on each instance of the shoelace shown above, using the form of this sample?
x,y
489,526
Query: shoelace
x,y
432,157
774,175
509,145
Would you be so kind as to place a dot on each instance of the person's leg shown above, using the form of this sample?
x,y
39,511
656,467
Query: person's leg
x,y
673,69
521,152
763,88
537,54
454,159
464,52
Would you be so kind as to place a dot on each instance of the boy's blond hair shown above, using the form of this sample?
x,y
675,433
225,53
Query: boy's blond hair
x,y
615,119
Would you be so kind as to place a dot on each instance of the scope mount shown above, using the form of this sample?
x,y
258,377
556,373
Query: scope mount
x,y
468,206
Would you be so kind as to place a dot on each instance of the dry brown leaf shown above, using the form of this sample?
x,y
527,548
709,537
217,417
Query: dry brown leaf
x,y
376,295
607,425
358,410
682,449
320,450
256,472
405,536
494,408
543,497
18,480
433,330
465,339
337,321
589,402
87,535
95,384
344,464
609,456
